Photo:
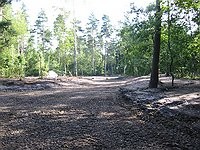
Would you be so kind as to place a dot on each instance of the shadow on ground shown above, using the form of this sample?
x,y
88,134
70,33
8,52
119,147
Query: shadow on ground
x,y
90,117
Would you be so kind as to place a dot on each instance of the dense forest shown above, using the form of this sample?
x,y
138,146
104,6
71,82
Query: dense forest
x,y
69,48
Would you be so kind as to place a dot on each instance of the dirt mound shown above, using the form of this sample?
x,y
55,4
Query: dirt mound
x,y
26,84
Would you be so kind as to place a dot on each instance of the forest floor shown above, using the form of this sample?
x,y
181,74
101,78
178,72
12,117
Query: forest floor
x,y
87,113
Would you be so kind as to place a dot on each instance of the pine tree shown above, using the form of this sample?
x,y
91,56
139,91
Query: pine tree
x,y
91,31
106,33
43,38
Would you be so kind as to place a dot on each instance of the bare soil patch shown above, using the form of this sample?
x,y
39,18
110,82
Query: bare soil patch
x,y
98,113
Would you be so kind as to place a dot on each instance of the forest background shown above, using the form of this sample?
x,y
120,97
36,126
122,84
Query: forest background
x,y
98,47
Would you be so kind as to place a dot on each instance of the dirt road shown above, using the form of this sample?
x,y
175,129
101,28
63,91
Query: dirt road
x,y
85,114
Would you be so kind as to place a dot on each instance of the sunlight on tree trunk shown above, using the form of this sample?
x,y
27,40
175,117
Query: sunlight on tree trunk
x,y
1,13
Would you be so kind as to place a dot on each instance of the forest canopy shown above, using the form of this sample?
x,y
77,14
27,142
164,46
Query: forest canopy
x,y
69,48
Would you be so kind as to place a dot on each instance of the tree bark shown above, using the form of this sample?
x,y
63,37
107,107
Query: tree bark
x,y
105,63
156,52
75,54
93,55
75,49
169,43
75,41
105,57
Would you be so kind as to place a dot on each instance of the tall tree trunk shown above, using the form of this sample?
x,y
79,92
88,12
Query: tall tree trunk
x,y
40,66
105,59
1,13
75,41
75,52
105,65
169,43
65,64
156,52
93,57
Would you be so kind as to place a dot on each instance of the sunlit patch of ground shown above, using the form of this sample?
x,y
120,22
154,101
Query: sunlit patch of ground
x,y
177,107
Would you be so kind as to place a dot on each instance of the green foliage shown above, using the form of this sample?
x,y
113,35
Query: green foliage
x,y
106,29
43,44
91,33
64,51
106,34
12,40
136,40
32,66
19,24
136,43
95,49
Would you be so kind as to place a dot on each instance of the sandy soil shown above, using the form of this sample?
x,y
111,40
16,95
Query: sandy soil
x,y
99,113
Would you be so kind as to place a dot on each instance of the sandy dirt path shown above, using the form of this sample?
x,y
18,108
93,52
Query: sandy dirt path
x,y
86,113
